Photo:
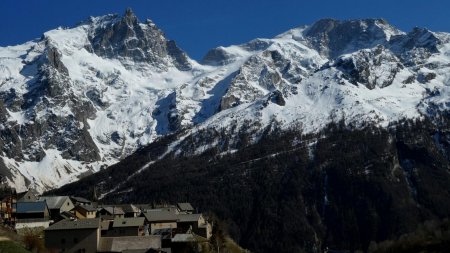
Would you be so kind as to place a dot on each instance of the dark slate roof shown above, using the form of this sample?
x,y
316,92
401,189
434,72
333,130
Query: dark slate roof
x,y
128,222
185,207
54,202
158,215
189,217
67,215
112,210
80,200
31,207
75,224
22,194
88,208
144,207
129,208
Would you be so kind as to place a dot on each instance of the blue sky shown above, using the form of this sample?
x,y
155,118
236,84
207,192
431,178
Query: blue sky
x,y
200,25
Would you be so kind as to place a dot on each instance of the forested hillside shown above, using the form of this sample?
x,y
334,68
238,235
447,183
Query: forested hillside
x,y
341,188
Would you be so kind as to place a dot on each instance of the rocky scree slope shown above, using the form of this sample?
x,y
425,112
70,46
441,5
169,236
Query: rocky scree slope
x,y
82,98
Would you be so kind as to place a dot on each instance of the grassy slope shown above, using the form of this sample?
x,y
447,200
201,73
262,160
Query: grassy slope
x,y
12,246
11,242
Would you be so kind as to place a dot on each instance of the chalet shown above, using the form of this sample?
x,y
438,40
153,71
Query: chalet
x,y
185,208
9,200
158,219
57,205
126,227
84,211
110,212
195,223
73,236
32,214
8,208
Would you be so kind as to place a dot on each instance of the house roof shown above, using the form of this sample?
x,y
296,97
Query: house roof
x,y
185,206
75,224
128,222
188,238
88,208
67,215
189,217
119,244
22,194
54,202
129,208
144,207
113,210
160,216
31,207
80,200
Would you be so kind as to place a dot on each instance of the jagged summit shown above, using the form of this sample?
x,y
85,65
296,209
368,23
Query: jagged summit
x,y
335,37
139,42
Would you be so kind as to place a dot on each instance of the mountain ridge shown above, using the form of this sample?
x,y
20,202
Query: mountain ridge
x,y
83,98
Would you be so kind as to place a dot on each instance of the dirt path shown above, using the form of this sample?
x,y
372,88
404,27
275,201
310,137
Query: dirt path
x,y
4,238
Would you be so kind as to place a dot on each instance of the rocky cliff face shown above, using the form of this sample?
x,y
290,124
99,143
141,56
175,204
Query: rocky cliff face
x,y
55,90
125,38
83,98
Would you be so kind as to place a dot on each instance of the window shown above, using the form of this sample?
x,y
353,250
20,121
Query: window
x,y
75,240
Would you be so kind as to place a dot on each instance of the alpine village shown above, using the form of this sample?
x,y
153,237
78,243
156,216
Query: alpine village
x,y
76,224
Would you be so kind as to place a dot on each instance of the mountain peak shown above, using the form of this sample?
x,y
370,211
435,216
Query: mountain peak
x,y
333,37
129,17
125,38
129,12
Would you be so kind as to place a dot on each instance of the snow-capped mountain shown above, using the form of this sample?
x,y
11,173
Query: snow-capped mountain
x,y
82,98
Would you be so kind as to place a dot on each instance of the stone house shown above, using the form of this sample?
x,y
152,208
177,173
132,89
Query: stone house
x,y
84,212
73,236
110,212
57,205
27,196
126,227
185,208
159,219
194,223
130,210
